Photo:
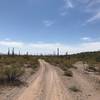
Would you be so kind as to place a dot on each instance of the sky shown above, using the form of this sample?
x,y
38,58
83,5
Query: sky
x,y
42,26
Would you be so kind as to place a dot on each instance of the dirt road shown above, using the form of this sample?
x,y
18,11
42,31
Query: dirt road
x,y
46,86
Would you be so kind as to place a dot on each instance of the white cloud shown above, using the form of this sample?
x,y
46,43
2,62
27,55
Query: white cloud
x,y
68,4
91,7
91,46
10,43
86,38
64,13
7,39
48,23
93,3
48,48
83,1
94,18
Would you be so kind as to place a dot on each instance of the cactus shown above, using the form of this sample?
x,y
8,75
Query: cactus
x,y
13,53
27,53
8,51
57,51
19,52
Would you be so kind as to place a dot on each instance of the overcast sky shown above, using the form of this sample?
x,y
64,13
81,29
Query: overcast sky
x,y
42,26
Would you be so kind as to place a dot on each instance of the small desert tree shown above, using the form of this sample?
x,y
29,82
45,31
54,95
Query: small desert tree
x,y
13,72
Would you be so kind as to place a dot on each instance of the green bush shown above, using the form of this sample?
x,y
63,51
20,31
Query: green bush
x,y
68,73
98,59
12,69
74,89
13,72
91,68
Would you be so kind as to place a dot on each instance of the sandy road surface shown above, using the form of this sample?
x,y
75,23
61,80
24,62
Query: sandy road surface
x,y
46,86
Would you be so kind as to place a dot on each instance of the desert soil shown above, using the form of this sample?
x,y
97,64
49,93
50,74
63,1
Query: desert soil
x,y
49,84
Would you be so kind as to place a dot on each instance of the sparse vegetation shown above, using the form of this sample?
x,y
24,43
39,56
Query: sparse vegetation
x,y
65,62
12,68
13,72
68,73
90,58
62,62
74,89
91,68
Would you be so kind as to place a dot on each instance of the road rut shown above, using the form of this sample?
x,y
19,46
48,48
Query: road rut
x,y
47,85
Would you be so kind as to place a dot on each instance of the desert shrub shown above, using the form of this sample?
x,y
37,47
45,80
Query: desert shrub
x,y
34,66
12,68
2,76
13,72
91,68
74,89
32,72
70,66
98,59
68,73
